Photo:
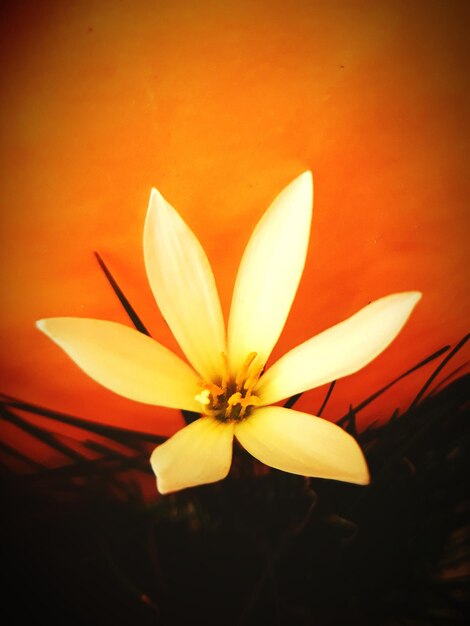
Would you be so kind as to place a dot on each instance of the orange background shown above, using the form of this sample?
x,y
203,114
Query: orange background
x,y
220,105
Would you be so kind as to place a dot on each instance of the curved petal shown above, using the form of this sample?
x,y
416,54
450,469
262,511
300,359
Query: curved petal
x,y
341,350
269,273
183,285
302,444
198,454
125,361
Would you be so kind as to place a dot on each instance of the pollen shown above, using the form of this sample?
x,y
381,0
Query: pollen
x,y
204,397
231,399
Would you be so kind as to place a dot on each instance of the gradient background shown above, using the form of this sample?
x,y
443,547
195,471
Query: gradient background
x,y
220,105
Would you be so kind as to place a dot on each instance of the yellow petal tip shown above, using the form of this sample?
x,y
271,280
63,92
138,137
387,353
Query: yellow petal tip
x,y
161,488
305,181
301,190
155,199
42,325
413,295
416,295
365,478
306,176
49,326
410,298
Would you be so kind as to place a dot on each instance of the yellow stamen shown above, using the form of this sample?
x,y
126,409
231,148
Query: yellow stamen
x,y
215,390
234,399
243,373
203,397
231,399
225,371
253,379
247,401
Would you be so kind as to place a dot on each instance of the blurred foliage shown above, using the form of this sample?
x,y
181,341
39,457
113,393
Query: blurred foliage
x,y
83,545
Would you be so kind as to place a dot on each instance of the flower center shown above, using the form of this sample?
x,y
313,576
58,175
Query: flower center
x,y
232,399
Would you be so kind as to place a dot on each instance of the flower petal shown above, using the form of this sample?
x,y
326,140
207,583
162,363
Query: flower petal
x,y
302,444
198,454
341,350
183,285
125,361
270,272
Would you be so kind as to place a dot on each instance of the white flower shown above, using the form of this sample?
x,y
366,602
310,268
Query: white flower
x,y
225,379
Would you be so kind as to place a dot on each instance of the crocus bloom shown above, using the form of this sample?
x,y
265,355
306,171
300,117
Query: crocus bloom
x,y
225,379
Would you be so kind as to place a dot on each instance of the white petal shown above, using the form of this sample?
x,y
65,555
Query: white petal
x,y
270,272
302,444
183,285
198,454
341,350
125,361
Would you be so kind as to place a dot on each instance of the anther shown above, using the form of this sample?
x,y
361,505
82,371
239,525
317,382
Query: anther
x,y
234,399
231,399
215,390
247,401
225,371
243,373
253,379
203,397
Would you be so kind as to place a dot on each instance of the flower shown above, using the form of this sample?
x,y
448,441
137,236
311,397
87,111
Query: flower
x,y
225,379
